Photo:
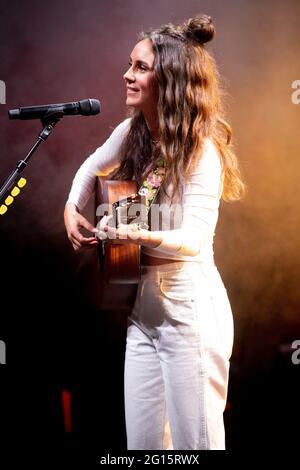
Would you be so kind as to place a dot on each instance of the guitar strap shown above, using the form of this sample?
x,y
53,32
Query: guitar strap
x,y
125,210
150,188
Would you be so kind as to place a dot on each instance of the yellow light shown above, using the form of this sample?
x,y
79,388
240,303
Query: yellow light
x,y
9,200
3,209
15,191
22,182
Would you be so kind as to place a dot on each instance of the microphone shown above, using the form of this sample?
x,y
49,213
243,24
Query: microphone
x,y
88,107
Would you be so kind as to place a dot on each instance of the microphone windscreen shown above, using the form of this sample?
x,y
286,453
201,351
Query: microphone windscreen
x,y
89,107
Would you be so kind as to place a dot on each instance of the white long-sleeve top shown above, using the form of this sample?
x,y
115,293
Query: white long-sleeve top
x,y
188,225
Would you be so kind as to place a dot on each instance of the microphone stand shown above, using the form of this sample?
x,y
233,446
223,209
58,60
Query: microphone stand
x,y
48,124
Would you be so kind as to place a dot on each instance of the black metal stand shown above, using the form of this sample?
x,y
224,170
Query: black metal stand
x,y
48,124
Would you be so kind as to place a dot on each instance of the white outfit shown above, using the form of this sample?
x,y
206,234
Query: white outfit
x,y
180,331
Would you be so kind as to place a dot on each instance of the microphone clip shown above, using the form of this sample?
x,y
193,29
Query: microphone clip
x,y
49,122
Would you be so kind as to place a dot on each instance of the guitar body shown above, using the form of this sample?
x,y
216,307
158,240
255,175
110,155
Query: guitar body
x,y
119,263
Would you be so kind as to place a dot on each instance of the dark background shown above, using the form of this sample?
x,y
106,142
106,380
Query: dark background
x,y
57,338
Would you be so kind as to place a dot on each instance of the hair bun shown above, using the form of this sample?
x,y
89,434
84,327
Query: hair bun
x,y
200,28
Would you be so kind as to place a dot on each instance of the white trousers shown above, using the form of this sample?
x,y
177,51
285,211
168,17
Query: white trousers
x,y
179,342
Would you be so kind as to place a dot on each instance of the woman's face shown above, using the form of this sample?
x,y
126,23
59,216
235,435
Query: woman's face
x,y
142,89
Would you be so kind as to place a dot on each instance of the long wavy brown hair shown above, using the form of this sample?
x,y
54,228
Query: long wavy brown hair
x,y
190,109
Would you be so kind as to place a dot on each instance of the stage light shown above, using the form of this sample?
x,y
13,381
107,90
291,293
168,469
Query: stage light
x,y
21,183
9,200
15,191
3,209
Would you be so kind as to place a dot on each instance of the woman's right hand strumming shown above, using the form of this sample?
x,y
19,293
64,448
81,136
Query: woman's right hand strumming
x,y
74,221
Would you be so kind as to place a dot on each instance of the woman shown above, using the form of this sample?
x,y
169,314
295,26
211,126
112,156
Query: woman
x,y
180,332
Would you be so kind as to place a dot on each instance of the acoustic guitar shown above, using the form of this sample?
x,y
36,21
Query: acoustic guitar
x,y
119,263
